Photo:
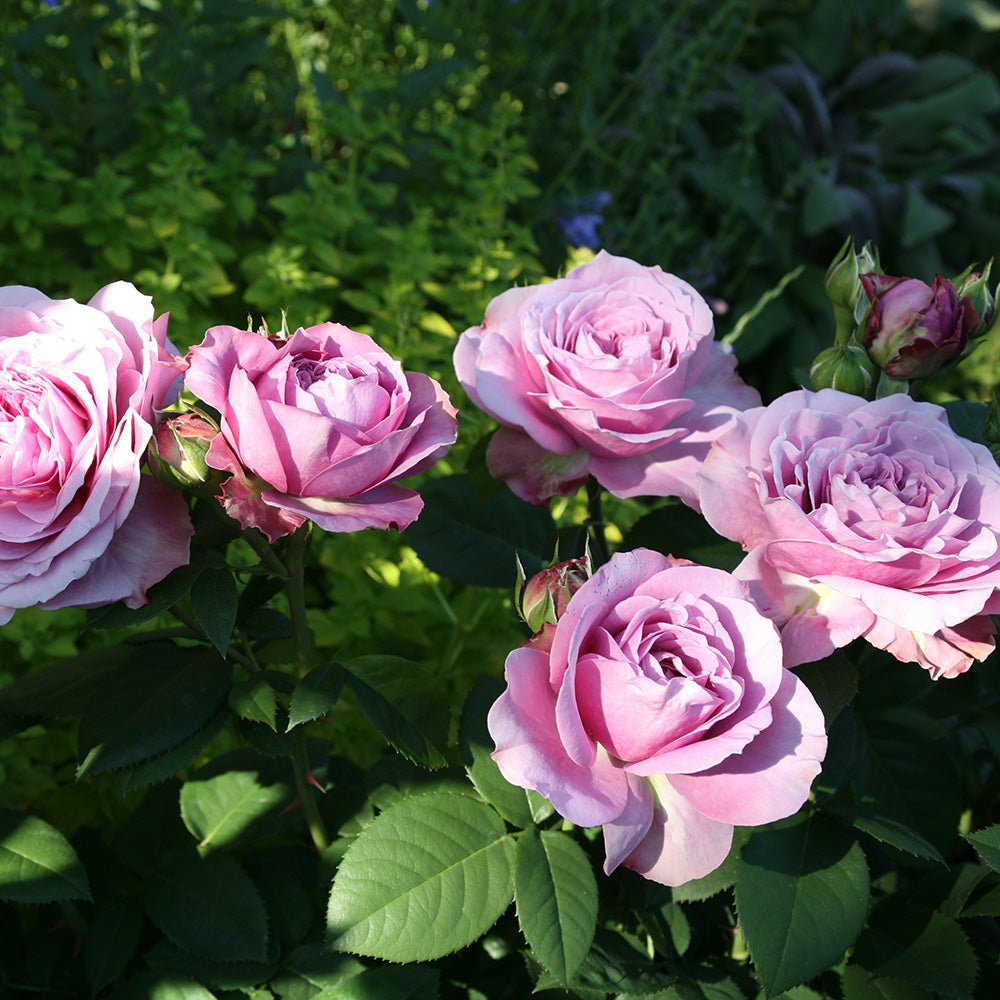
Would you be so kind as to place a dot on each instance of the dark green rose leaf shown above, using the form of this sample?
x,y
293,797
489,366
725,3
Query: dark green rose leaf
x,y
316,694
150,705
919,946
210,907
477,540
215,602
556,896
802,894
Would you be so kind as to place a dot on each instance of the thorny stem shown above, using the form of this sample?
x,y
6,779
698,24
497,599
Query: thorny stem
x,y
258,543
298,545
317,829
295,589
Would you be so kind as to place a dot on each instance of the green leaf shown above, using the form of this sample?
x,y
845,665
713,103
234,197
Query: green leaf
x,y
165,957
220,810
315,694
254,699
833,682
37,863
210,907
987,905
477,540
862,985
827,204
65,687
678,530
898,835
215,601
477,745
541,808
922,219
905,783
802,894
967,419
156,701
167,764
112,938
614,964
399,699
556,897
987,845
312,968
155,985
920,946
427,877
408,982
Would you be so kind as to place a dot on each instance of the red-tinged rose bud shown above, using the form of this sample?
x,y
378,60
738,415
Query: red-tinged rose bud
x,y
544,597
177,452
914,329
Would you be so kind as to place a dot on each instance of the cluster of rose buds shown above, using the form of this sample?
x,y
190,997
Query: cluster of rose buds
x,y
890,330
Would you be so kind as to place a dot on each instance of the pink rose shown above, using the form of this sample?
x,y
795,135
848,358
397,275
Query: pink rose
x,y
862,519
79,387
661,711
318,426
611,372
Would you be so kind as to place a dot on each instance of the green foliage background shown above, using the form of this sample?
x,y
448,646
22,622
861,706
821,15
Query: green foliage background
x,y
393,165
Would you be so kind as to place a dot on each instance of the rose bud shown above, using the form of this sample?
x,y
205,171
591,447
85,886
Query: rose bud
x,y
843,285
177,452
978,300
914,329
846,367
544,597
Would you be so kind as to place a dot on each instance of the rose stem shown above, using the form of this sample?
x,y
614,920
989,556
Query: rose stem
x,y
595,522
267,555
295,588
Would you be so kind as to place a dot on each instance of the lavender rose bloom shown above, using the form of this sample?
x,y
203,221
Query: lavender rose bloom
x,y
865,519
318,426
79,390
660,710
611,371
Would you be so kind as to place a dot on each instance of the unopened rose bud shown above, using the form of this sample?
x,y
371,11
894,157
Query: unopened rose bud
x,y
914,329
842,277
177,451
544,597
978,301
846,367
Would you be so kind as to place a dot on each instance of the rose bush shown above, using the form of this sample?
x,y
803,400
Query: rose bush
x,y
318,426
611,371
660,710
79,390
865,519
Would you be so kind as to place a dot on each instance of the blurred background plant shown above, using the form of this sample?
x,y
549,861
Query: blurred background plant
x,y
395,164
